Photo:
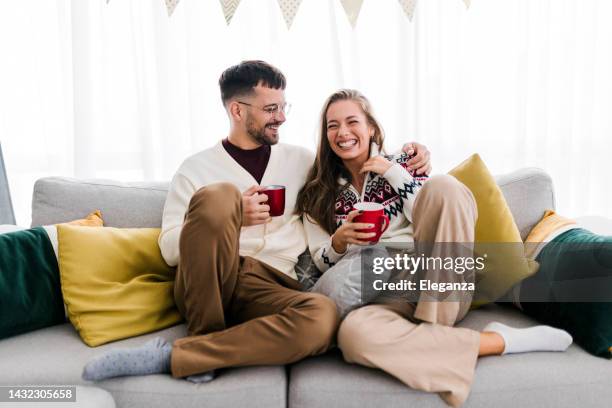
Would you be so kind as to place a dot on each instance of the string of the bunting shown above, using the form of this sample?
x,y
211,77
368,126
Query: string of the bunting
x,y
289,8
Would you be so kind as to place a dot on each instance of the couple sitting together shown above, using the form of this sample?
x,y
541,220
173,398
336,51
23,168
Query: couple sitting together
x,y
235,283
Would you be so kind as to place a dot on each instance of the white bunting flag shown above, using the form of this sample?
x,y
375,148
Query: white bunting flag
x,y
467,3
171,5
352,9
289,9
229,8
409,6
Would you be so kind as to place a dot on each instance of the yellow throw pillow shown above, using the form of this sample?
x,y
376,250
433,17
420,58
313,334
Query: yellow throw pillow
x,y
497,235
550,222
115,283
93,219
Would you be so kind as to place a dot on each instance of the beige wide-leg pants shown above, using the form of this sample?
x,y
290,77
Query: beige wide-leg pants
x,y
417,343
239,311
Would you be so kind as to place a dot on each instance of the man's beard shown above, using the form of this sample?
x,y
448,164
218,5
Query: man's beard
x,y
259,134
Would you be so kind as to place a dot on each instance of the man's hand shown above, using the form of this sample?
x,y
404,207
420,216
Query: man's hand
x,y
254,211
421,162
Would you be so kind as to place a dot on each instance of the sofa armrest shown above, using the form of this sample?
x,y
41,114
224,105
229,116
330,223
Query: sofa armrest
x,y
528,192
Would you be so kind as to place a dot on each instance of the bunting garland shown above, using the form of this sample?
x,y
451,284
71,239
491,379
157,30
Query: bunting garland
x,y
289,8
409,5
352,9
171,5
229,8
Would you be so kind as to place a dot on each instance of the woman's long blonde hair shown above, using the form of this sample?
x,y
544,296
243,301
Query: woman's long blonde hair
x,y
317,197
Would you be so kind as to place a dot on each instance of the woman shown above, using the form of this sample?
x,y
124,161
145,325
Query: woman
x,y
414,342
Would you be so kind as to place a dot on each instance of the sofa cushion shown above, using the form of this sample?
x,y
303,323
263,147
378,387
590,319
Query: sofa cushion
x,y
496,234
56,355
30,296
528,192
572,378
115,282
573,288
123,205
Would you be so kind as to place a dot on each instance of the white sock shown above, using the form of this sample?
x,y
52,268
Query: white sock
x,y
536,338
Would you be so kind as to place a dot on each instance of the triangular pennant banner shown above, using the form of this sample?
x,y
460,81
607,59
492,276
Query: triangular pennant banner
x,y
289,9
409,6
229,8
171,5
467,3
352,9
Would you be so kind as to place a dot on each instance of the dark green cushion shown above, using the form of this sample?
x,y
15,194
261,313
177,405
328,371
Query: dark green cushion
x,y
30,292
572,256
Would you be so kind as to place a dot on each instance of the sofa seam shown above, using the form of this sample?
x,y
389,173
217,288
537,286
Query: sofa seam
x,y
128,391
472,392
520,180
107,185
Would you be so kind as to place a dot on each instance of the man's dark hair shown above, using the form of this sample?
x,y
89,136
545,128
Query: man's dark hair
x,y
239,80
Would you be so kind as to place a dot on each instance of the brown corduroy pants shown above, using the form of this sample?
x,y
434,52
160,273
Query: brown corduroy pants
x,y
239,311
416,343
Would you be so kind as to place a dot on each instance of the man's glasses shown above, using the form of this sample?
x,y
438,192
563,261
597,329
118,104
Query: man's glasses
x,y
272,109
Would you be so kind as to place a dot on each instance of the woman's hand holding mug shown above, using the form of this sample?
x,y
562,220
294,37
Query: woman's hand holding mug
x,y
348,234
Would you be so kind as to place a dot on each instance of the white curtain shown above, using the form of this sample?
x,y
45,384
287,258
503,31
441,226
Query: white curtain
x,y
122,91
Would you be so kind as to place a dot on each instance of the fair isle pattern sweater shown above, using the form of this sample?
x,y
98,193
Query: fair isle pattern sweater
x,y
396,190
277,243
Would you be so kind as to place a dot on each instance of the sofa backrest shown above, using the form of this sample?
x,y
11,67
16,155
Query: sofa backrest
x,y
529,192
123,205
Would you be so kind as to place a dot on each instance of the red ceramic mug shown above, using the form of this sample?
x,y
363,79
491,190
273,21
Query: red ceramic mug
x,y
373,213
276,199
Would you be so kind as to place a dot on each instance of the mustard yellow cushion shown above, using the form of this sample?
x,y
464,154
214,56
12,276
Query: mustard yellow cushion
x,y
114,282
93,219
497,235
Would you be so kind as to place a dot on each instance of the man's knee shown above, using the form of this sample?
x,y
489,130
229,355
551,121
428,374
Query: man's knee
x,y
319,333
215,205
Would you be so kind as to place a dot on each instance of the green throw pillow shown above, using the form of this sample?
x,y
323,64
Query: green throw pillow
x,y
30,294
565,262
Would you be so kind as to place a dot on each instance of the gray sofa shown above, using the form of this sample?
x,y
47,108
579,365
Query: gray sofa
x,y
56,355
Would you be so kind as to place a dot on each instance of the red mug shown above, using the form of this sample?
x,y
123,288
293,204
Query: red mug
x,y
276,199
372,213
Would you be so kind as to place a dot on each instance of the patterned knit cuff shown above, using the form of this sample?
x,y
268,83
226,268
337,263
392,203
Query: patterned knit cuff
x,y
330,256
397,176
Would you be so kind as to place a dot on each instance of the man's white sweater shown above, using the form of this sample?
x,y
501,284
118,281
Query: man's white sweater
x,y
277,243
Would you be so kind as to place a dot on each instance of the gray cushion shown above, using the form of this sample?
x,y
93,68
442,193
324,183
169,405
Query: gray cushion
x,y
123,205
56,355
569,379
528,192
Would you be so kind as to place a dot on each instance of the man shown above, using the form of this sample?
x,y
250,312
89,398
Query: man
x,y
235,283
